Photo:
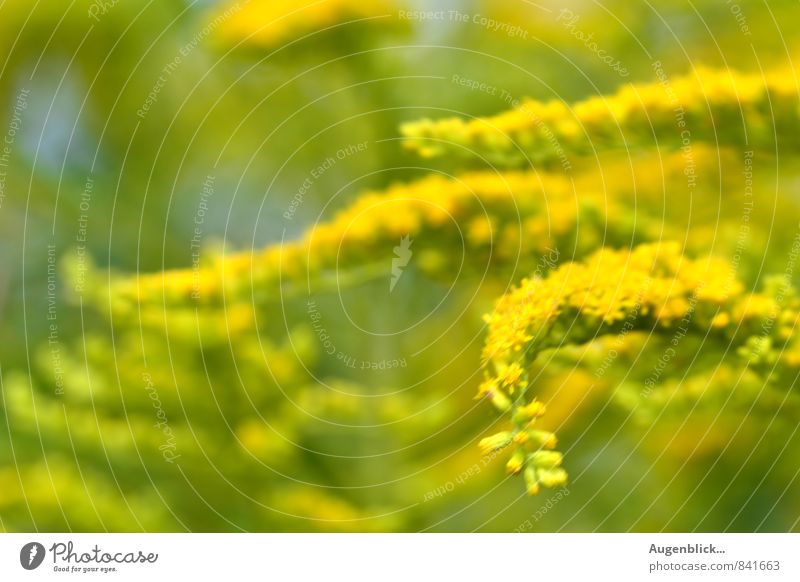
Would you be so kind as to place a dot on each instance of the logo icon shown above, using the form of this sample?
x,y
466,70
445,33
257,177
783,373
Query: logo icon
x,y
31,555
400,260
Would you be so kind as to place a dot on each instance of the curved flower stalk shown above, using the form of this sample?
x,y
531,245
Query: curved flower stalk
x,y
652,287
503,222
495,219
270,23
713,106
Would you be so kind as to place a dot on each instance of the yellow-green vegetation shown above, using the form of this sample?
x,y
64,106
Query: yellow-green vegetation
x,y
721,107
282,266
652,288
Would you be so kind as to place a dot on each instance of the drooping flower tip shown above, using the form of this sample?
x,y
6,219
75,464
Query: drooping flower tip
x,y
531,480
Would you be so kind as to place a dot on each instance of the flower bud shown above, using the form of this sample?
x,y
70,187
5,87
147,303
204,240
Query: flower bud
x,y
516,462
546,459
556,477
531,481
501,401
521,438
543,438
495,442
528,412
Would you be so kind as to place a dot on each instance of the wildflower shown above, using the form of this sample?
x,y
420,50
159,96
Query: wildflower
x,y
555,477
516,462
528,132
721,320
651,287
501,401
495,442
543,438
511,376
487,388
271,22
490,389
528,412
531,480
521,437
429,209
546,459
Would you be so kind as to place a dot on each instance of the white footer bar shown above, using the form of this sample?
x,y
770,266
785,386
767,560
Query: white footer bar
x,y
406,557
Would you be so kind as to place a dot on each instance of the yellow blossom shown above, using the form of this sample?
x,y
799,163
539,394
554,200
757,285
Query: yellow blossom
x,y
632,114
271,22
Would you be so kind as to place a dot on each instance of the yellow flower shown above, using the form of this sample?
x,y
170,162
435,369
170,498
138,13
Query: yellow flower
x,y
543,438
552,477
516,462
632,114
721,320
652,287
528,412
546,459
531,480
496,442
435,206
271,22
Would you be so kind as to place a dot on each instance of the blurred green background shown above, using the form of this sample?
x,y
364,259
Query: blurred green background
x,y
119,114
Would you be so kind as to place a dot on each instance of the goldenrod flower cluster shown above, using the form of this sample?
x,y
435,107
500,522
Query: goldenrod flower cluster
x,y
495,218
720,107
501,221
653,288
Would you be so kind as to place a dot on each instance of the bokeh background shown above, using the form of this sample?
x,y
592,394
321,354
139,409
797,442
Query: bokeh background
x,y
166,136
